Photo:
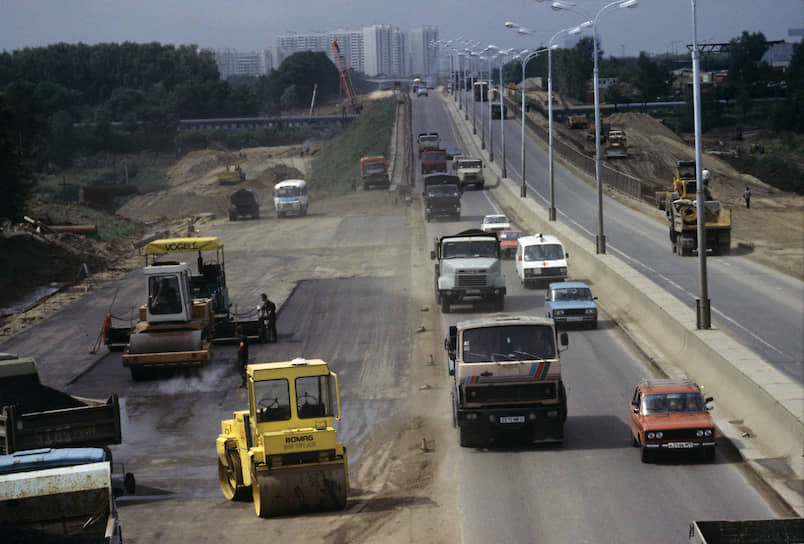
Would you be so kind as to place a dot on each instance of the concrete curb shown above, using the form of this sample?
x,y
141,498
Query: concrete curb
x,y
760,410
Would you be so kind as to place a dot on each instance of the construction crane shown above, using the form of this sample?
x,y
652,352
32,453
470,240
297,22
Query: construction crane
x,y
346,80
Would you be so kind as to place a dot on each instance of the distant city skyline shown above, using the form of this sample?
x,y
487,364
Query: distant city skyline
x,y
250,25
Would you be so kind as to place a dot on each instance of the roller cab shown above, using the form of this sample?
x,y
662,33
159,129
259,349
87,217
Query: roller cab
x,y
283,453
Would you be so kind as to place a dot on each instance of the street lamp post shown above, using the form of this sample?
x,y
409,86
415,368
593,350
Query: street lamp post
x,y
558,5
490,55
702,306
551,211
524,56
503,55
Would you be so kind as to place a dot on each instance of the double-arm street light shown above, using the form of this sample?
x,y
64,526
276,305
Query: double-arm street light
x,y
562,5
551,211
524,56
491,52
503,55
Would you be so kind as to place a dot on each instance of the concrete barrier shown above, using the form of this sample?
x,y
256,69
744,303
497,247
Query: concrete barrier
x,y
759,409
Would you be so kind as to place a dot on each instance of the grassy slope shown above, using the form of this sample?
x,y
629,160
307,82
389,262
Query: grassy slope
x,y
338,164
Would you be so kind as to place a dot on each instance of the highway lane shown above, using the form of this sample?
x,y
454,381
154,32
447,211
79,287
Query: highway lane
x,y
759,307
594,487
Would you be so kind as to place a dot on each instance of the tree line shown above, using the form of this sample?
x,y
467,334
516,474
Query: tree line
x,y
647,78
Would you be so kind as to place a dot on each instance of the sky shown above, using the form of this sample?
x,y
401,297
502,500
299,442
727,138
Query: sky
x,y
654,26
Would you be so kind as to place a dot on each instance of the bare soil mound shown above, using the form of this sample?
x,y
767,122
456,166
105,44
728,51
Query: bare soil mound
x,y
195,188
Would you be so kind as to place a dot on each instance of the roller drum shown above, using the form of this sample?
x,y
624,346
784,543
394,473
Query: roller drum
x,y
167,341
299,489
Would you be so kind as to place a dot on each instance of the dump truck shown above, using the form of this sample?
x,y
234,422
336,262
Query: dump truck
x,y
616,144
282,452
374,172
428,140
577,121
755,531
243,203
442,196
434,160
682,216
468,269
205,286
506,379
33,415
684,184
495,110
470,172
58,495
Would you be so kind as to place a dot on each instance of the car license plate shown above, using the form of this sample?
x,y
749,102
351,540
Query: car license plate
x,y
575,318
680,445
512,419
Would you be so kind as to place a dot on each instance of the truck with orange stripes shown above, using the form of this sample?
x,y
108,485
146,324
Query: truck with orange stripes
x,y
507,379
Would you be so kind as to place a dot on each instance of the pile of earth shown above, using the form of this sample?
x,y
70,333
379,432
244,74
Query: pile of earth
x,y
195,189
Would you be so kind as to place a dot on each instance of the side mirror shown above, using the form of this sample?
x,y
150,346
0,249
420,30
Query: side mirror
x,y
566,255
432,254
564,339
708,400
636,409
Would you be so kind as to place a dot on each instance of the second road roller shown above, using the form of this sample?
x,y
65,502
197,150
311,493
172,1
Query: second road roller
x,y
282,453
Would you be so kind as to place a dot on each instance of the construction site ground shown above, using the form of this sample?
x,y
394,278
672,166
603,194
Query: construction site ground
x,y
771,232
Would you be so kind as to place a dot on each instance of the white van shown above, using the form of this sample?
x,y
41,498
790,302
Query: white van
x,y
290,196
540,259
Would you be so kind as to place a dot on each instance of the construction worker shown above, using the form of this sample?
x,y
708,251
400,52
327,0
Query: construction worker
x,y
242,354
706,175
267,311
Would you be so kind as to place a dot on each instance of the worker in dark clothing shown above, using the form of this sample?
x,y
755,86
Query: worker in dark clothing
x,y
242,354
268,312
747,196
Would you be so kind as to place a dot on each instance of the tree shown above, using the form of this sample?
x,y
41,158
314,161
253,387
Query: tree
x,y
304,70
652,79
22,127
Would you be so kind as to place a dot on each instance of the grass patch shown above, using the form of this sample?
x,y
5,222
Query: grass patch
x,y
338,164
110,227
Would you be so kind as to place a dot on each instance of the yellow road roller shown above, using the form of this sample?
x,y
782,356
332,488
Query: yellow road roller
x,y
282,452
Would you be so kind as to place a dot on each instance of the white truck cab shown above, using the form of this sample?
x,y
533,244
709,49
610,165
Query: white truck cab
x,y
540,259
290,197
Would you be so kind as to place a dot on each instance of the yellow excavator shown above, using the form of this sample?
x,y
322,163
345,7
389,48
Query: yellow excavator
x,y
282,452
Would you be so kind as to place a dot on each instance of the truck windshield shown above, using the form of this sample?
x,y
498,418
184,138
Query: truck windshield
x,y
374,168
469,164
284,192
443,190
671,403
453,250
686,172
544,252
434,156
509,343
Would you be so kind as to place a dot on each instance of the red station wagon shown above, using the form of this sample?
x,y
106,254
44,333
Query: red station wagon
x,y
671,415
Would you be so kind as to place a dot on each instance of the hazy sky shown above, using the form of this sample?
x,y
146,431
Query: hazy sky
x,y
655,26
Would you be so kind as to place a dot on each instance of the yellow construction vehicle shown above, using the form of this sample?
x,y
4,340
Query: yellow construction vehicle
x,y
577,121
616,144
684,184
174,328
230,175
282,452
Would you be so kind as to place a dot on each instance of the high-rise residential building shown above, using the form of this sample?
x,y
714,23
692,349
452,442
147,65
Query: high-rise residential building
x,y
385,51
422,53
350,43
236,63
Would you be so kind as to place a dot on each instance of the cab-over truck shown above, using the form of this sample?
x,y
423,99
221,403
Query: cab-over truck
x,y
468,268
506,379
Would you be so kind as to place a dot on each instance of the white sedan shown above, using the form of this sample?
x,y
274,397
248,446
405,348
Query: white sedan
x,y
495,223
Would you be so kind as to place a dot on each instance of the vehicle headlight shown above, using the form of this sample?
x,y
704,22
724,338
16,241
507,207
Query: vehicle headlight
x,y
492,418
471,416
699,433
552,413
563,270
707,432
651,435
659,434
590,311
558,312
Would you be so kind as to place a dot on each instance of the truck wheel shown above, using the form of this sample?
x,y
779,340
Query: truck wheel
x,y
231,479
444,304
466,438
499,303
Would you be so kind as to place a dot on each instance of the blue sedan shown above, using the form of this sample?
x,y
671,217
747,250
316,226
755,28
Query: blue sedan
x,y
571,302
